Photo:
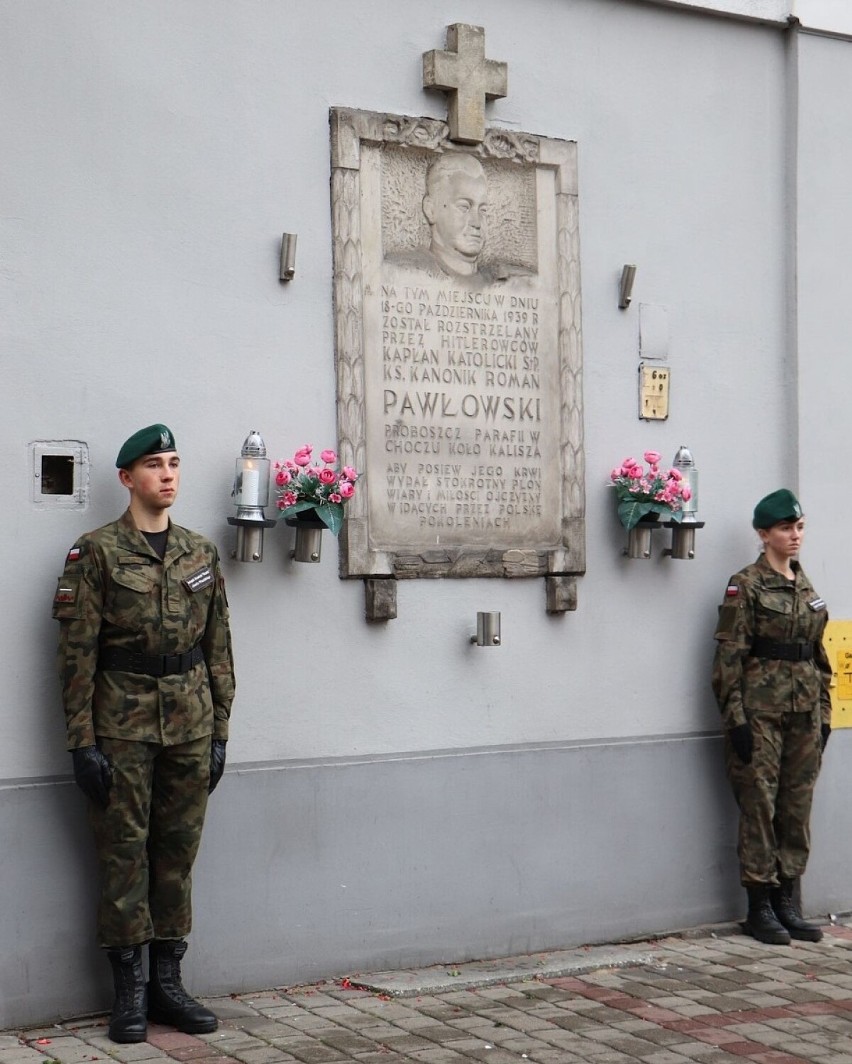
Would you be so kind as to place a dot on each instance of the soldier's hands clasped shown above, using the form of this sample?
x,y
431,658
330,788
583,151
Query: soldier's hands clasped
x,y
217,763
743,742
92,774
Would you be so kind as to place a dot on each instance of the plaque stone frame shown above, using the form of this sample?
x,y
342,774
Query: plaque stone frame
x,y
551,166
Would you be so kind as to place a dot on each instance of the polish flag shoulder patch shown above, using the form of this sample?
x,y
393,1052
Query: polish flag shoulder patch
x,y
74,554
732,590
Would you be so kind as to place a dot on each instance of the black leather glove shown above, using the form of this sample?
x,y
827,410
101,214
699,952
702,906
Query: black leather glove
x,y
217,763
824,731
92,774
742,741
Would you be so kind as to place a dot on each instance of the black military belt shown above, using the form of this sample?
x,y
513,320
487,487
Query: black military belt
x,y
116,659
768,648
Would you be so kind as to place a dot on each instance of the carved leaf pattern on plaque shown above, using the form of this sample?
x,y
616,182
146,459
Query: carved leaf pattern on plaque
x,y
349,301
573,460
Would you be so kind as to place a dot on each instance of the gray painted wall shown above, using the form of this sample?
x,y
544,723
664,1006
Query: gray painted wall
x,y
824,238
152,157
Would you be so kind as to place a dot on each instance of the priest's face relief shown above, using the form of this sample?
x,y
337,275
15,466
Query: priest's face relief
x,y
455,206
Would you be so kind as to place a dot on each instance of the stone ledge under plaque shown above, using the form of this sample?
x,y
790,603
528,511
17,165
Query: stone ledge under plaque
x,y
380,598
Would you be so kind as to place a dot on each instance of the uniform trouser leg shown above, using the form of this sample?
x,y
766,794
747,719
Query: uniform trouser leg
x,y
178,807
147,839
800,764
774,795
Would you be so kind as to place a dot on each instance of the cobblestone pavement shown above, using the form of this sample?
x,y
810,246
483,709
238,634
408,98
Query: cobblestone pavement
x,y
716,999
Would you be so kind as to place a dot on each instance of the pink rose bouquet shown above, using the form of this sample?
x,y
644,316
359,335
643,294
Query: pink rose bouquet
x,y
301,484
653,490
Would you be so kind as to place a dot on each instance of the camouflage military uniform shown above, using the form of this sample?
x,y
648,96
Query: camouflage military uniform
x,y
116,595
784,702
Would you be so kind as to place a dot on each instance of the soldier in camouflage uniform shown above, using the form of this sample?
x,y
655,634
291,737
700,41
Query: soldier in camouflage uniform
x,y
771,679
147,682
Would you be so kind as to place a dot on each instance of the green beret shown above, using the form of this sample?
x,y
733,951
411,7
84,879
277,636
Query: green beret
x,y
155,439
781,505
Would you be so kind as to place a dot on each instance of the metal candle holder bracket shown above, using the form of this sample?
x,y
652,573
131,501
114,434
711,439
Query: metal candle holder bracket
x,y
308,547
487,630
683,531
251,494
639,541
683,537
309,530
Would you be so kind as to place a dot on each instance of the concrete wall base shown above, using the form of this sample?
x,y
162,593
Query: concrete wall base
x,y
316,869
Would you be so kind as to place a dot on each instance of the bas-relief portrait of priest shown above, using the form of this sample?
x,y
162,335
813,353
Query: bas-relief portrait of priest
x,y
471,226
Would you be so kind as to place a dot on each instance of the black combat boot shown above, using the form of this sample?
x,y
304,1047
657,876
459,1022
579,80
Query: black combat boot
x,y
127,1022
168,1001
786,908
761,922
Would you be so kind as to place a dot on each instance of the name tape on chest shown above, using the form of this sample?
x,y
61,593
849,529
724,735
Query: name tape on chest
x,y
198,580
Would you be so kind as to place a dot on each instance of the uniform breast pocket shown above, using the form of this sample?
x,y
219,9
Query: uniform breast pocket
x,y
133,601
774,613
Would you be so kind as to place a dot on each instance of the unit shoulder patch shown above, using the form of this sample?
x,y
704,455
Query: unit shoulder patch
x,y
67,597
66,592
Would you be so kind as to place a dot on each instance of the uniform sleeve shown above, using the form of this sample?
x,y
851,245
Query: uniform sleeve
x,y
218,654
78,606
824,667
734,636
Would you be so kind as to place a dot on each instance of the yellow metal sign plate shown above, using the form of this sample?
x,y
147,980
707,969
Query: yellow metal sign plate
x,y
653,392
838,644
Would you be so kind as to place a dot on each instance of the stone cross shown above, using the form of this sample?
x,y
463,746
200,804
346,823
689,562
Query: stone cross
x,y
468,77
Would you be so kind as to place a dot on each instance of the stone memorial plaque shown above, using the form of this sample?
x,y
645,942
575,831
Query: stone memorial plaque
x,y
457,312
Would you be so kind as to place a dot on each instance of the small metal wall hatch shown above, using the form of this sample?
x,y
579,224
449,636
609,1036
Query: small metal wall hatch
x,y
60,474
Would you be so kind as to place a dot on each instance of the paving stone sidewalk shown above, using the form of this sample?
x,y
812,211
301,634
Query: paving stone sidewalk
x,y
719,998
